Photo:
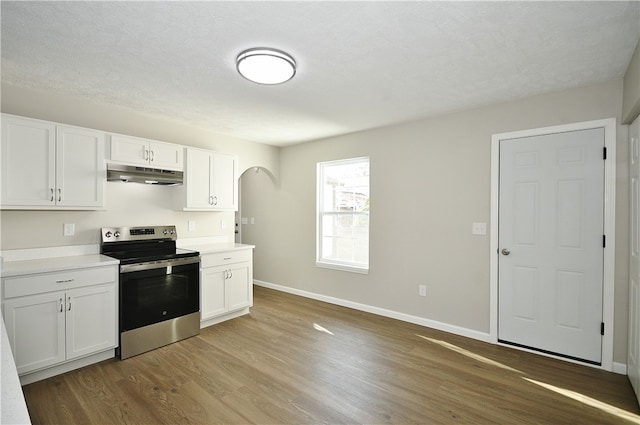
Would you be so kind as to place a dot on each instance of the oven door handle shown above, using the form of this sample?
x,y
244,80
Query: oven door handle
x,y
161,264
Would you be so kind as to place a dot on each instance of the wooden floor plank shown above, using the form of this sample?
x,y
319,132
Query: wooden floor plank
x,y
300,361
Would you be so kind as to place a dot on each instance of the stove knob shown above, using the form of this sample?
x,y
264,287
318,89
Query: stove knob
x,y
165,231
107,235
116,234
173,232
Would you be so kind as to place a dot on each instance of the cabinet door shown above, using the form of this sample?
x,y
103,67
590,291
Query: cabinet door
x,y
91,320
166,156
129,150
197,180
239,287
36,330
213,292
80,172
225,182
28,162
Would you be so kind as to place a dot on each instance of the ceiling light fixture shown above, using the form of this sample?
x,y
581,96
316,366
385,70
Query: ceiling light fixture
x,y
266,66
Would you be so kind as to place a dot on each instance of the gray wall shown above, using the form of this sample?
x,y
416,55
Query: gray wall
x,y
631,98
430,180
126,204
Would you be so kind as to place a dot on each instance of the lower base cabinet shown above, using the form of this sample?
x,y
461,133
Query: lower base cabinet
x,y
47,329
226,283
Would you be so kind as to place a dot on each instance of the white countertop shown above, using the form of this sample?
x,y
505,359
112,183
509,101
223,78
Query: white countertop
x,y
13,409
53,264
211,248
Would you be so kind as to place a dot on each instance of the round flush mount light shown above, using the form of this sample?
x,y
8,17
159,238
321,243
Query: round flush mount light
x,y
266,66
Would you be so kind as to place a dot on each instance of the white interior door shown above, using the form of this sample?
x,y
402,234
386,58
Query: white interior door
x,y
550,239
633,356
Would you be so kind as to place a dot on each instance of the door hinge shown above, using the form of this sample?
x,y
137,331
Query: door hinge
x,y
604,241
604,153
602,328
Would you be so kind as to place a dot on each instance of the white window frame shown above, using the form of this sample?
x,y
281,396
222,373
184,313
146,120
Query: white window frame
x,y
333,264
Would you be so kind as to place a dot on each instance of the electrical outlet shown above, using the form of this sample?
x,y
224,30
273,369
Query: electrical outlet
x,y
422,290
192,225
69,229
223,225
479,228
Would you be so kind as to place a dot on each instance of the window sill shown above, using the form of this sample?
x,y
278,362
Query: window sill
x,y
342,267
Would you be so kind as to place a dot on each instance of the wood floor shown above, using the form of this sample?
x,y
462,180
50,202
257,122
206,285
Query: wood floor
x,y
299,361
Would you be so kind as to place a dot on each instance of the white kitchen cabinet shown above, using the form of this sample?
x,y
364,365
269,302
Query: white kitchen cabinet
x,y
49,166
90,320
226,285
225,181
53,318
135,151
210,182
36,330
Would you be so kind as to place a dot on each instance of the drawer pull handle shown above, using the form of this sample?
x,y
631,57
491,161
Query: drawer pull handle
x,y
65,281
227,258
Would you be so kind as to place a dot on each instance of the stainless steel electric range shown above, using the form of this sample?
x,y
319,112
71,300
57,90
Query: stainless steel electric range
x,y
159,287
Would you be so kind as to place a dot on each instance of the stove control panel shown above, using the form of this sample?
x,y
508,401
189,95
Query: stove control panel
x,y
119,234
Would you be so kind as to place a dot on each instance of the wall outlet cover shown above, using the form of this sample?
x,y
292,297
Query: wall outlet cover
x,y
69,229
479,228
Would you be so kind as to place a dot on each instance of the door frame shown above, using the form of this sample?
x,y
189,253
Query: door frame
x,y
609,126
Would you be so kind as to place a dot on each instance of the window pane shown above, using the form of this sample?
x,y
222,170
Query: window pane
x,y
346,187
343,213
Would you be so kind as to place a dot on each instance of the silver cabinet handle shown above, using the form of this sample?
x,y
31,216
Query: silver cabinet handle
x,y
60,305
65,281
153,155
230,274
215,200
210,200
59,194
69,303
145,154
52,194
505,251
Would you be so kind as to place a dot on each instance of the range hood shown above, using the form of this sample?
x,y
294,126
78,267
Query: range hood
x,y
133,174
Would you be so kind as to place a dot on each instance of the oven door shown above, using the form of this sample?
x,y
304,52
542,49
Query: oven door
x,y
157,291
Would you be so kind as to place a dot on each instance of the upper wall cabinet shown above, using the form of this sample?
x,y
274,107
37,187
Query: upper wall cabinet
x,y
134,151
210,182
49,166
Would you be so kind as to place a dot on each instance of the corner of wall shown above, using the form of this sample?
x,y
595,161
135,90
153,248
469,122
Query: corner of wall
x,y
631,96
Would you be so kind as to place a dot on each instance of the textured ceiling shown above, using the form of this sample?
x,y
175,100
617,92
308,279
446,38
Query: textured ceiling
x,y
360,64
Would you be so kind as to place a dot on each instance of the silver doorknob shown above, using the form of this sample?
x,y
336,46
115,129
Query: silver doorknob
x,y
505,251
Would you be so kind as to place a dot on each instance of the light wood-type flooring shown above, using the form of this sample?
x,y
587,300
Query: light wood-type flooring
x,y
299,361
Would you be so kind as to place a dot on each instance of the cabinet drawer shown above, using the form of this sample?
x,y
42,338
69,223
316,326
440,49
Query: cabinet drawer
x,y
58,281
228,257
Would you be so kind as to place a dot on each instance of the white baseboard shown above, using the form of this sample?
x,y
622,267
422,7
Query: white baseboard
x,y
66,367
619,368
214,321
457,330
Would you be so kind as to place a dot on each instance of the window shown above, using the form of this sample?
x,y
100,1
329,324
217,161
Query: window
x,y
343,215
